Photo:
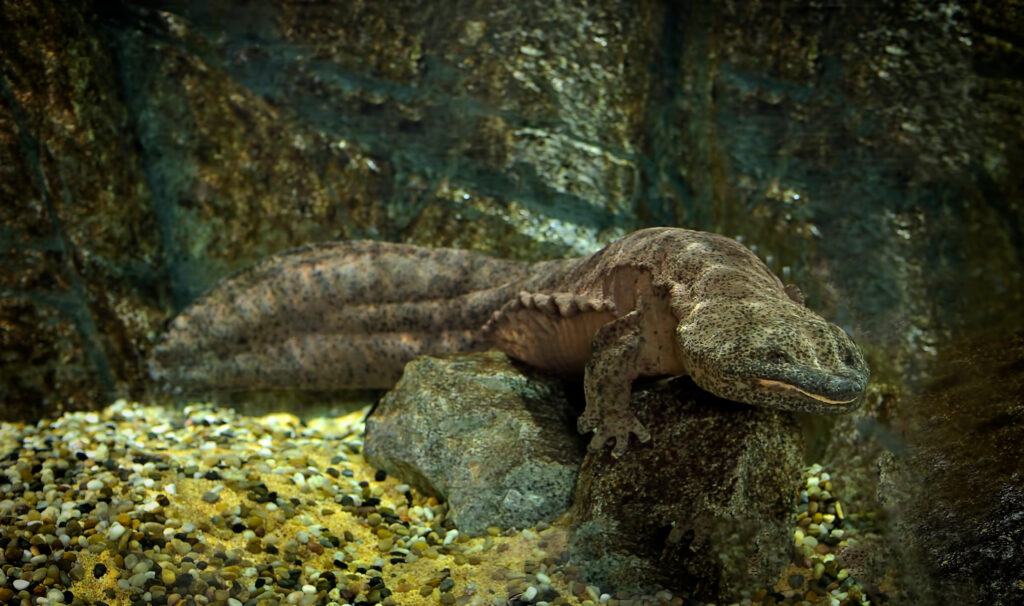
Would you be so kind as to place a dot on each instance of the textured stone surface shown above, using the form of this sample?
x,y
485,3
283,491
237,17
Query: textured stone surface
x,y
954,488
401,120
78,239
705,508
498,443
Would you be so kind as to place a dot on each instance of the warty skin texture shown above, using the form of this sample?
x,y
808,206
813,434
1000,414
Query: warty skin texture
x,y
660,301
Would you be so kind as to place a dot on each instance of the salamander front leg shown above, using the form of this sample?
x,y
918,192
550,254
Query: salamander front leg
x,y
607,384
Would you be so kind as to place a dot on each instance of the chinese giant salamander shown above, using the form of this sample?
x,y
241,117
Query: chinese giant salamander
x,y
660,301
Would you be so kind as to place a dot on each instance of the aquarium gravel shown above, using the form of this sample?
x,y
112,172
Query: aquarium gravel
x,y
201,505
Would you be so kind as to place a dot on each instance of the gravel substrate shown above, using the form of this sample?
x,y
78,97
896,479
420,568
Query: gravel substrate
x,y
152,505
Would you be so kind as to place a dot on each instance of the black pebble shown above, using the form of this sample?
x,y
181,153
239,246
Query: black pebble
x,y
796,581
99,570
380,475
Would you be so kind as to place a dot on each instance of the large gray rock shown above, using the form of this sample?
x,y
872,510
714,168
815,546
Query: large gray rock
x,y
494,440
705,508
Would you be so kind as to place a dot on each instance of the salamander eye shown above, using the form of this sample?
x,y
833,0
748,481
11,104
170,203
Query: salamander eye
x,y
777,357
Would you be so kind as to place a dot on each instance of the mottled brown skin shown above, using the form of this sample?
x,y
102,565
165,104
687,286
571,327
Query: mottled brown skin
x,y
660,301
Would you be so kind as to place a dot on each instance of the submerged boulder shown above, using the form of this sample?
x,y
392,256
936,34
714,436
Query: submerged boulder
x,y
704,508
496,441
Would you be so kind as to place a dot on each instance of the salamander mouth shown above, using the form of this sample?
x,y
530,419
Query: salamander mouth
x,y
845,396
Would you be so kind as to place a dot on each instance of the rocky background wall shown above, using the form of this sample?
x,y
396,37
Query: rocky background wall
x,y
870,152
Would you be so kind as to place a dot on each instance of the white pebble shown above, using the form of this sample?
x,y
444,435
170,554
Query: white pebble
x,y
529,594
19,584
115,531
94,485
450,536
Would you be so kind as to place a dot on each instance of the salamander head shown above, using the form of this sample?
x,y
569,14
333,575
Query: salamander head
x,y
772,352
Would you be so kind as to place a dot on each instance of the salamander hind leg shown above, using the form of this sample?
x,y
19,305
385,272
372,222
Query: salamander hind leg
x,y
607,383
